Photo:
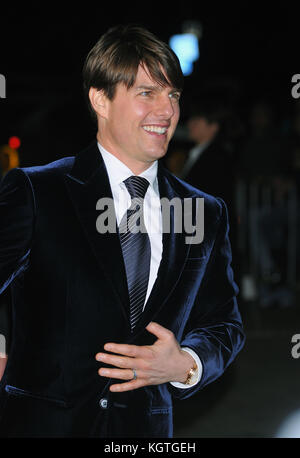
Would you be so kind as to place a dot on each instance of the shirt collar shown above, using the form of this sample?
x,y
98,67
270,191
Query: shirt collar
x,y
198,149
118,171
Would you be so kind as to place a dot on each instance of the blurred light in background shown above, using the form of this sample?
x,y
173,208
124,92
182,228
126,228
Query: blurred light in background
x,y
14,142
186,48
290,427
186,45
9,156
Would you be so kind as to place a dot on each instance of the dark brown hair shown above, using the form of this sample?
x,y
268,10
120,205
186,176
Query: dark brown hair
x,y
116,56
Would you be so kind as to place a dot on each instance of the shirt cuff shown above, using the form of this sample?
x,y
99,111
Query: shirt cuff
x,y
198,372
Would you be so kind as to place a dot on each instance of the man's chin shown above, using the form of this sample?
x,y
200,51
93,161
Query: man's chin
x,y
154,155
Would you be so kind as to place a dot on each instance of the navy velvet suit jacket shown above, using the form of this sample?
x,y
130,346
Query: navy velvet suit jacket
x,y
69,297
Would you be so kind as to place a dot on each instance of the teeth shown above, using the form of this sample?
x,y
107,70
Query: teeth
x,y
156,129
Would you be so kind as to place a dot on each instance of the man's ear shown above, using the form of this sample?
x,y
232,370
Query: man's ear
x,y
99,101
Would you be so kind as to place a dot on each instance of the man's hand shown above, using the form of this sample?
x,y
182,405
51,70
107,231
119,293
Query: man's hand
x,y
162,362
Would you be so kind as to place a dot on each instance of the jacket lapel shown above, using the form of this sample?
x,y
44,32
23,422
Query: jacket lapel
x,y
87,183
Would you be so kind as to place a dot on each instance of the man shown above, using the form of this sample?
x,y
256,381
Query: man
x,y
85,360
210,163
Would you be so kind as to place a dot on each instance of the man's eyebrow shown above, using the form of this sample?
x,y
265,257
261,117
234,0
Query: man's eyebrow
x,y
146,86
156,88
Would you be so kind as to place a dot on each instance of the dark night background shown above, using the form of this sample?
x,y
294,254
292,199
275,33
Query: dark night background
x,y
248,52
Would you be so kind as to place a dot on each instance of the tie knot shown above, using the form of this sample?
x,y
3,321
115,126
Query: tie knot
x,y
137,186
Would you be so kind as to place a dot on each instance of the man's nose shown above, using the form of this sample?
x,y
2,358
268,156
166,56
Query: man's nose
x,y
165,107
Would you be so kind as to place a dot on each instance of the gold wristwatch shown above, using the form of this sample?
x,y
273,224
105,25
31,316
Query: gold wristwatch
x,y
192,375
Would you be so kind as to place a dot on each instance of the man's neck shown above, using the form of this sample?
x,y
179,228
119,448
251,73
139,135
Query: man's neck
x,y
137,167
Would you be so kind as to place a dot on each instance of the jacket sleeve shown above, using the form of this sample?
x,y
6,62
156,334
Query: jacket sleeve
x,y
17,216
214,329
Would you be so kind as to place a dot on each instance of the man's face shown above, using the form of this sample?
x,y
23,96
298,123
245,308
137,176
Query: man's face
x,y
140,121
200,130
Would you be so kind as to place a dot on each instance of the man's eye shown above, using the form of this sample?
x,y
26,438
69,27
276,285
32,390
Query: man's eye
x,y
145,93
174,95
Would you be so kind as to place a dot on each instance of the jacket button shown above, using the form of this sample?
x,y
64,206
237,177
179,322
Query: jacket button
x,y
103,403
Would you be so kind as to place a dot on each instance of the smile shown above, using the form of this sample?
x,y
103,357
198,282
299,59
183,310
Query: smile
x,y
156,129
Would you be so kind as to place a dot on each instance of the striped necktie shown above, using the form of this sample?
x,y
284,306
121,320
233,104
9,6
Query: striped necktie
x,y
136,248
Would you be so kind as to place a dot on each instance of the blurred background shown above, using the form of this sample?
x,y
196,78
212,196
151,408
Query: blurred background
x,y
238,138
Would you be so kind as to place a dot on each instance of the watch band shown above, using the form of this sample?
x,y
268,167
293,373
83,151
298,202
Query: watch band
x,y
190,375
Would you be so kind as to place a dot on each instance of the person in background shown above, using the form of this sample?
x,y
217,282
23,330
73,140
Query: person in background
x,y
210,163
214,129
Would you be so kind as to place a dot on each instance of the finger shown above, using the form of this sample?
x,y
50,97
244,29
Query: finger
x,y
114,360
122,374
159,331
133,351
127,386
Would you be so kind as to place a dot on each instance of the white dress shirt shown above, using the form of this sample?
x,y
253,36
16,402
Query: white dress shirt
x,y
118,172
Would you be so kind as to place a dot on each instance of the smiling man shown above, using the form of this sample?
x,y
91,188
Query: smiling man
x,y
108,327
139,122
